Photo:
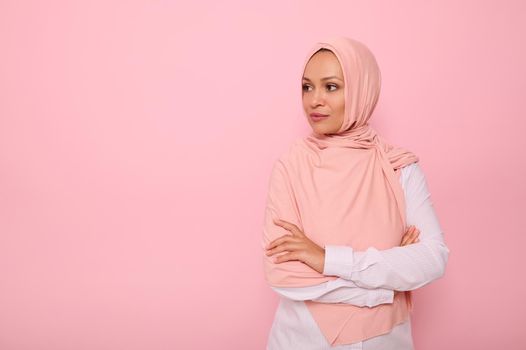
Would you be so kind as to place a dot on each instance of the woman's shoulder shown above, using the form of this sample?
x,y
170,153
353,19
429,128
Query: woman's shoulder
x,y
413,177
410,168
283,159
290,152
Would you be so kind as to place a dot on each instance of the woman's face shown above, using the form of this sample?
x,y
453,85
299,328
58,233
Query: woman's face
x,y
323,92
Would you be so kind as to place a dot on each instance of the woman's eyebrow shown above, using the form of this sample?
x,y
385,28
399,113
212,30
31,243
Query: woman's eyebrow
x,y
326,78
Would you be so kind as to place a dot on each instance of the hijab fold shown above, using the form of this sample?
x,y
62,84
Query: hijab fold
x,y
341,189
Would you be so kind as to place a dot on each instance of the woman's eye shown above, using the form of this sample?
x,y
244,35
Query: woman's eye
x,y
306,87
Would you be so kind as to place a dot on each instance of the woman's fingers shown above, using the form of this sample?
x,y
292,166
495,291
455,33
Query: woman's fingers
x,y
411,236
290,245
286,257
414,236
288,226
279,241
404,238
407,235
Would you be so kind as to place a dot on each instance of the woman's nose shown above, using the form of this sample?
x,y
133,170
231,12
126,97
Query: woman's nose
x,y
318,98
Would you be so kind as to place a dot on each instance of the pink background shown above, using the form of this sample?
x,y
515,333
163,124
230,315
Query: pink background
x,y
137,138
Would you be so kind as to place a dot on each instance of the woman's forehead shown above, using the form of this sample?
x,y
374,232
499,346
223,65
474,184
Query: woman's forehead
x,y
323,66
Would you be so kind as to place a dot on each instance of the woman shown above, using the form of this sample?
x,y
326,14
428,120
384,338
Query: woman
x,y
349,225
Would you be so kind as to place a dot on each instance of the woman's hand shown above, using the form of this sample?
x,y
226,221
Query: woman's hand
x,y
410,236
298,246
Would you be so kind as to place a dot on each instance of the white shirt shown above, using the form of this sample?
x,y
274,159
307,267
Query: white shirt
x,y
367,278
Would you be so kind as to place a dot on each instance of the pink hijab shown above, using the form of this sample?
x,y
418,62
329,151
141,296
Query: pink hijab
x,y
341,189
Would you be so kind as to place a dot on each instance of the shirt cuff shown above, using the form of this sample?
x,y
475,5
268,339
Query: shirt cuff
x,y
338,261
380,296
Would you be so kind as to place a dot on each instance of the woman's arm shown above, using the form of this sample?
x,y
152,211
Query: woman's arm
x,y
345,291
281,205
338,291
398,268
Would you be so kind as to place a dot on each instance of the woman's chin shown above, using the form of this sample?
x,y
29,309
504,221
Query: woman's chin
x,y
321,130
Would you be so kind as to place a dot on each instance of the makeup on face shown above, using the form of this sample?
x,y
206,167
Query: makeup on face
x,y
323,92
318,116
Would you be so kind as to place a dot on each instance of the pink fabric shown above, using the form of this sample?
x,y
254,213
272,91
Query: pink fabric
x,y
342,189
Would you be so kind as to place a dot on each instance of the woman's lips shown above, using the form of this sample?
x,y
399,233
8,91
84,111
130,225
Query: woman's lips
x,y
318,116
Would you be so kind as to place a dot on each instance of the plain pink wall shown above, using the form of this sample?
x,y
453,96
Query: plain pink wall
x,y
137,138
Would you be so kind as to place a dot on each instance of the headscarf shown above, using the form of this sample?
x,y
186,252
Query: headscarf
x,y
341,189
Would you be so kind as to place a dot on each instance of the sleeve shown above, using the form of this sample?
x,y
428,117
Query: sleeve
x,y
338,291
398,268
281,204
